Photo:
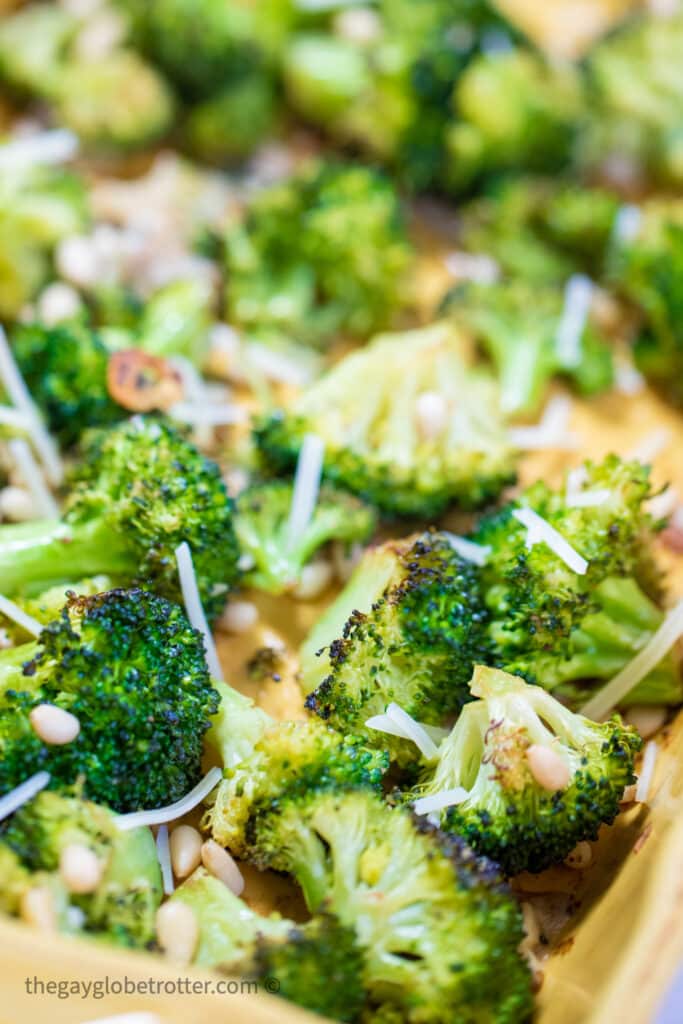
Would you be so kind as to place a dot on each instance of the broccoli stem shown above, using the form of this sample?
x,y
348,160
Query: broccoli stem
x,y
37,555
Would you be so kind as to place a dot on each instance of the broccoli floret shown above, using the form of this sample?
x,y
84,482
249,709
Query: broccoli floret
x,y
633,102
368,409
47,606
228,126
122,908
438,929
317,964
236,727
322,253
408,628
138,492
261,525
517,325
33,43
65,368
509,814
176,321
564,630
128,665
513,111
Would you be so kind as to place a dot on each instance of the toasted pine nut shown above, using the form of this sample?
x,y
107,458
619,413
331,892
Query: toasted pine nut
x,y
186,850
38,908
177,930
647,720
54,725
431,411
16,504
219,862
548,768
315,578
81,869
581,857
239,617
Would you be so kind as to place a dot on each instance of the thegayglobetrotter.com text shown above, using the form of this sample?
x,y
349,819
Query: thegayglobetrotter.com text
x,y
99,988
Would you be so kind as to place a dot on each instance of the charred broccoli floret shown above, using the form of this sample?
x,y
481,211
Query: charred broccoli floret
x,y
121,908
408,628
317,964
517,326
131,669
262,528
524,817
139,491
320,254
374,410
563,629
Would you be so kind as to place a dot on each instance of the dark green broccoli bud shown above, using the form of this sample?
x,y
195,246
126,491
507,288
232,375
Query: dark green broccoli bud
x,y
227,126
408,628
318,964
517,326
633,103
438,928
65,368
513,111
383,444
38,207
262,528
138,492
322,253
560,628
122,907
129,666
538,779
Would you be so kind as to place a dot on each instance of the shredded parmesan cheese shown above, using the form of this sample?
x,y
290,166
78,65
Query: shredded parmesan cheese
x,y
467,549
18,615
472,266
651,446
197,414
578,295
551,432
193,607
646,771
33,478
588,499
309,469
11,417
397,722
628,379
164,855
16,798
438,801
627,223
599,706
539,531
162,815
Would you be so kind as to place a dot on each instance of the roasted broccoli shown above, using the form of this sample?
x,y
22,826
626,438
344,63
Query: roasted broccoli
x,y
262,528
322,253
408,424
131,669
438,929
538,778
121,907
318,964
139,490
562,628
408,628
517,326
228,126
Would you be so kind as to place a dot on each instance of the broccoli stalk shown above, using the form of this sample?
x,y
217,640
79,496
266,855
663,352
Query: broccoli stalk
x,y
508,813
128,665
262,522
139,491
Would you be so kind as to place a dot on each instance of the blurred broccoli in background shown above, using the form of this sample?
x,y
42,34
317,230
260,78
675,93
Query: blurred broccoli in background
x,y
121,906
321,254
634,132
408,424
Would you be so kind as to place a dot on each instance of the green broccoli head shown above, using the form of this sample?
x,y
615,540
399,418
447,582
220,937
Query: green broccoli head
x,y
407,628
129,666
121,908
227,126
407,423
139,491
236,727
513,811
513,111
262,528
562,629
65,368
176,321
517,326
33,44
320,254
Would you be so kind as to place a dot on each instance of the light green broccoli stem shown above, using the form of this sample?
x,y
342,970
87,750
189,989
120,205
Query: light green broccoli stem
x,y
236,728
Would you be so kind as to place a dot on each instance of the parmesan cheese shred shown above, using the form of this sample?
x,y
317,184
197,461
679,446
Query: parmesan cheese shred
x,y
162,815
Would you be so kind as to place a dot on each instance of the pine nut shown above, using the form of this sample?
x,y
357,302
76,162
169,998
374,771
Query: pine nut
x,y
647,720
431,411
315,578
16,504
548,768
219,862
80,867
629,794
239,617
581,857
38,908
54,725
58,302
186,850
177,930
